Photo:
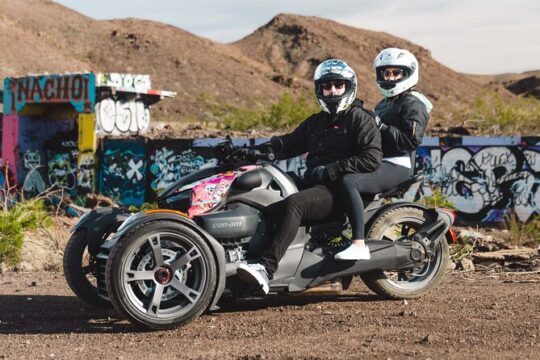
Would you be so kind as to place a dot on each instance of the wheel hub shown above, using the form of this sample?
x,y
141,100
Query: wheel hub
x,y
163,275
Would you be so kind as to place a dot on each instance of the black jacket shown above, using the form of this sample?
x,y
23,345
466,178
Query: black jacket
x,y
405,120
346,143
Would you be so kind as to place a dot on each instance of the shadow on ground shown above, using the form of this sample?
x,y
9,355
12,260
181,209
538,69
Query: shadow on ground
x,y
47,314
274,301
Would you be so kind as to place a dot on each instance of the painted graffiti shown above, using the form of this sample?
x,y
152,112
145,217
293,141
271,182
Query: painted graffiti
x,y
123,176
86,173
487,183
62,171
126,82
118,117
167,166
34,183
77,89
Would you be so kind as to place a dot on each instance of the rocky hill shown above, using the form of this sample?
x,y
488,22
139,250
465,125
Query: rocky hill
x,y
294,45
38,36
523,84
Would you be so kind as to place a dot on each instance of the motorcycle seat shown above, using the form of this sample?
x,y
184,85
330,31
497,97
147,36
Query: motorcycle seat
x,y
400,189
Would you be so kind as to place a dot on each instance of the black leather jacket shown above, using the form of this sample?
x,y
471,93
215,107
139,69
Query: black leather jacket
x,y
405,120
346,143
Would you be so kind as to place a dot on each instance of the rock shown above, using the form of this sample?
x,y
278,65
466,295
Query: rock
x,y
24,266
426,339
466,264
3,268
509,254
488,256
451,265
471,234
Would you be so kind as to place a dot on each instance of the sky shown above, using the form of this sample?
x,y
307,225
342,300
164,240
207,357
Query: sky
x,y
470,36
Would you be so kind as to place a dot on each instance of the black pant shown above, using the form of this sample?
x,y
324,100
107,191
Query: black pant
x,y
387,176
311,204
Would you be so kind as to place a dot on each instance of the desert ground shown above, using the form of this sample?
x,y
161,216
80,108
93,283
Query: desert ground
x,y
472,314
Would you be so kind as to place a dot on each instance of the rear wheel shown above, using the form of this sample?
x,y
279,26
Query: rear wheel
x,y
396,225
161,275
80,270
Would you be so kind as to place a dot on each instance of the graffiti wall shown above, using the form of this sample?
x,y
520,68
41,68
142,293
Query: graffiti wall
x,y
48,148
485,179
169,160
128,82
52,124
122,173
121,117
76,89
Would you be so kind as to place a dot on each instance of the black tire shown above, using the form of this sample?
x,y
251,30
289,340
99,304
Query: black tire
x,y
79,270
135,298
406,218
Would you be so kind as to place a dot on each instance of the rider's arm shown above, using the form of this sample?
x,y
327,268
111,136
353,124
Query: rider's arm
x,y
294,143
414,119
368,154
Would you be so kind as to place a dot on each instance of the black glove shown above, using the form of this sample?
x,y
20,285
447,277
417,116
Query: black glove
x,y
274,145
318,174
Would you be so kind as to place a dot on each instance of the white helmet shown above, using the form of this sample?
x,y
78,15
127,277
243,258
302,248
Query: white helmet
x,y
334,69
400,58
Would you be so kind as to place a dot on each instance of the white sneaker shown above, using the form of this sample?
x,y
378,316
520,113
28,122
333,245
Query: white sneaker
x,y
254,274
354,252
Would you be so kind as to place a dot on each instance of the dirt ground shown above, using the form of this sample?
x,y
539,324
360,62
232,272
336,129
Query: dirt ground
x,y
479,315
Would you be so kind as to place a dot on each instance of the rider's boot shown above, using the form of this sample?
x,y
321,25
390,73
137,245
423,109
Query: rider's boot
x,y
354,252
254,274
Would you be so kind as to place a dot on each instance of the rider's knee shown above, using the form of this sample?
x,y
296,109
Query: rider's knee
x,y
348,182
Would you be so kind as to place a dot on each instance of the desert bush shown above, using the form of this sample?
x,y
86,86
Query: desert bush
x,y
143,207
523,233
493,114
461,249
281,115
437,199
16,216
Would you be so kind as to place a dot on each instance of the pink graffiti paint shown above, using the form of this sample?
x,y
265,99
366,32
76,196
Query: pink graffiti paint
x,y
10,143
206,194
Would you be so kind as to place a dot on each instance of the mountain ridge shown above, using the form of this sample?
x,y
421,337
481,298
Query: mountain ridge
x,y
38,36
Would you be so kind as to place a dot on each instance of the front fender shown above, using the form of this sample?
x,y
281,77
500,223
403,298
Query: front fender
x,y
177,216
99,223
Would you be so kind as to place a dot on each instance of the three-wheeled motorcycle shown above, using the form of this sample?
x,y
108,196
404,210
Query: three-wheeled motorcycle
x,y
162,268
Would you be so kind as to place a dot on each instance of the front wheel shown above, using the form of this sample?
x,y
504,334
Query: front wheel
x,y
80,270
161,275
395,225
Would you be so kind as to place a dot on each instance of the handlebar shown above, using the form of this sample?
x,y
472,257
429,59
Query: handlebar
x,y
228,153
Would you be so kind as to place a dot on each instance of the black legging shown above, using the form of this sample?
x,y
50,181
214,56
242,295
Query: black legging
x,y
352,186
312,204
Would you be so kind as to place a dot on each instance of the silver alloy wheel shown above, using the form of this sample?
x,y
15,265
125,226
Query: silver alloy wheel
x,y
163,275
418,277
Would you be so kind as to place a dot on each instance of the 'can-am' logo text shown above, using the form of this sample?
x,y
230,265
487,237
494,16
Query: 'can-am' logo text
x,y
227,225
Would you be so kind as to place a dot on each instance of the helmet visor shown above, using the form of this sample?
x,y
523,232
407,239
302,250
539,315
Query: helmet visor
x,y
337,84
